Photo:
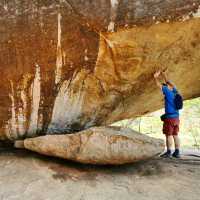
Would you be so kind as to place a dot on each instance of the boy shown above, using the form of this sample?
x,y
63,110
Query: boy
x,y
171,120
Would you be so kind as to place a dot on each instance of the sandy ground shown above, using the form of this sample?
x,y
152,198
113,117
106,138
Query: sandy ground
x,y
28,176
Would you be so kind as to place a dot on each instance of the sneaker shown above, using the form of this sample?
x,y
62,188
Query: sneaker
x,y
176,154
167,154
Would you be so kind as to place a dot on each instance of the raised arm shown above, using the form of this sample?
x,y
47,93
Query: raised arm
x,y
166,79
156,75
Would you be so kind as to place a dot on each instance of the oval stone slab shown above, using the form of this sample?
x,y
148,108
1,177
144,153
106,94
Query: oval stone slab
x,y
98,145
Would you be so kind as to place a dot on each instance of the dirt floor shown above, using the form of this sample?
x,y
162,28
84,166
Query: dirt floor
x,y
28,176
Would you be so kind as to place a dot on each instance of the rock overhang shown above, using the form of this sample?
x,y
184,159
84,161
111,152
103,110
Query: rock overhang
x,y
68,65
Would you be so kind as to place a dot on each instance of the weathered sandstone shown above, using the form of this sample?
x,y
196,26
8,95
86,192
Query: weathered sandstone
x,y
98,145
70,65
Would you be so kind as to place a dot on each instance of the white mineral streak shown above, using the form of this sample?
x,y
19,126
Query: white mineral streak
x,y
86,55
5,7
64,58
185,18
21,120
114,3
110,44
12,123
16,126
59,60
111,26
108,41
21,115
113,15
197,14
35,90
67,108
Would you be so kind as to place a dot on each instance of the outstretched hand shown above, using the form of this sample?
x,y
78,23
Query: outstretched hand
x,y
157,74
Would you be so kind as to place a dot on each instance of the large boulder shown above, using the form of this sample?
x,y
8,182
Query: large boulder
x,y
70,65
97,145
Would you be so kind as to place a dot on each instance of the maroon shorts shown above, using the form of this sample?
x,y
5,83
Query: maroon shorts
x,y
171,126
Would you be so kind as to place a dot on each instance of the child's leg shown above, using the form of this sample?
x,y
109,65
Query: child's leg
x,y
168,131
176,153
169,142
176,141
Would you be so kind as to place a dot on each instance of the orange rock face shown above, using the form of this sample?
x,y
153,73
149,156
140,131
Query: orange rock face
x,y
70,65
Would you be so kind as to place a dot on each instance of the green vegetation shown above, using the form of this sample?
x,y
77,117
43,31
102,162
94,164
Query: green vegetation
x,y
189,128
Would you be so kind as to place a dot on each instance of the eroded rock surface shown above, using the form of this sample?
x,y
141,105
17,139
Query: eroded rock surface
x,y
70,65
98,145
